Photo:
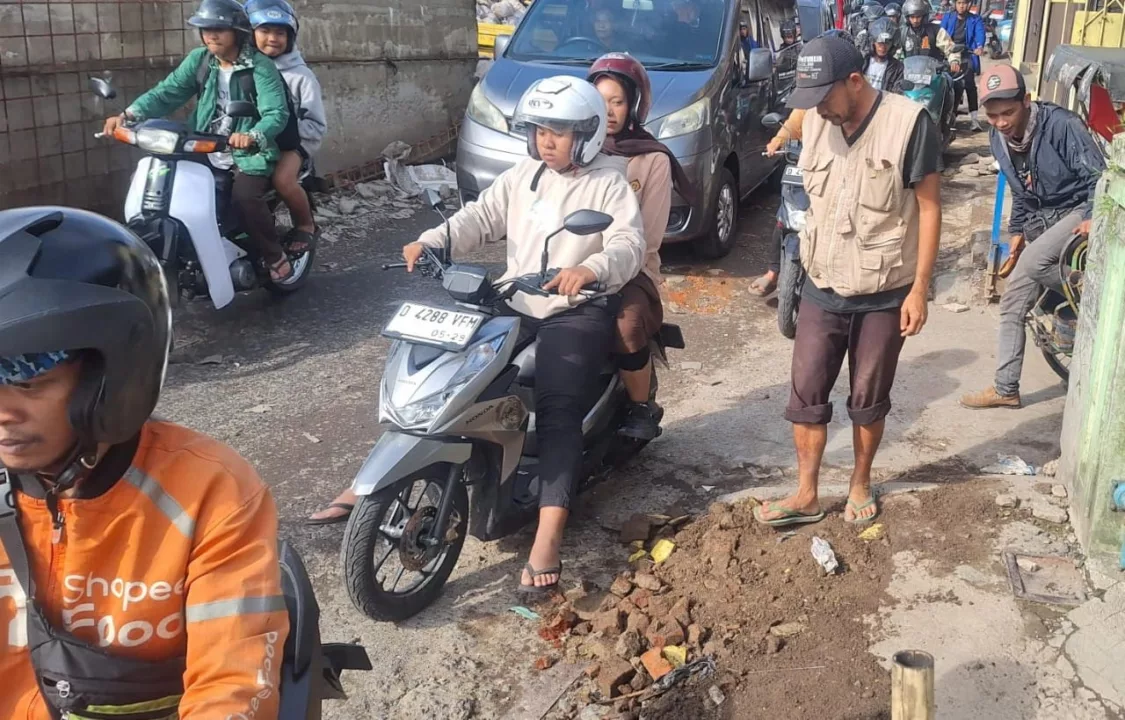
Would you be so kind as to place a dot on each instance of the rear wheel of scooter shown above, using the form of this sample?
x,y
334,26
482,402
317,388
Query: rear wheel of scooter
x,y
789,296
302,268
391,573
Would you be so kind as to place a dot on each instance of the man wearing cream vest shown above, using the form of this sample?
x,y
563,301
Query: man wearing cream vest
x,y
872,164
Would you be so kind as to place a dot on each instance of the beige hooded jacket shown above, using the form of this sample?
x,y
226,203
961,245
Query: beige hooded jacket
x,y
511,208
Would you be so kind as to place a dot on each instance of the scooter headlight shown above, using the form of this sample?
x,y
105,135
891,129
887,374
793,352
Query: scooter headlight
x,y
426,409
157,142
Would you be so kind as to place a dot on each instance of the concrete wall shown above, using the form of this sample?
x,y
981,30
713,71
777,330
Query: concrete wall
x,y
391,70
1093,436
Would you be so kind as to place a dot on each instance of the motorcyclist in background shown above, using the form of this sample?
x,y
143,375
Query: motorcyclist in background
x,y
149,551
230,56
881,68
894,12
921,37
789,34
275,34
872,11
966,28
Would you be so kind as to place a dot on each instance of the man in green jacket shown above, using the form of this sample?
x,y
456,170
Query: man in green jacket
x,y
230,56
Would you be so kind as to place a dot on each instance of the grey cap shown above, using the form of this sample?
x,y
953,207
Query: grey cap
x,y
822,62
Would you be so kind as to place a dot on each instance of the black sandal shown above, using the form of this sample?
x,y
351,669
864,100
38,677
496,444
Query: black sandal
x,y
276,275
299,242
332,519
541,590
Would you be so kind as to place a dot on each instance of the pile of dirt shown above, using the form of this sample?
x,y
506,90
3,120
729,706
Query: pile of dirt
x,y
785,636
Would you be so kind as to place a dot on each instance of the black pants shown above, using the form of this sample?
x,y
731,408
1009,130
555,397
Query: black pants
x,y
248,194
967,85
573,347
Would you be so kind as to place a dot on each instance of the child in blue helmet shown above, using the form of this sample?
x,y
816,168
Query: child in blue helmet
x,y
275,33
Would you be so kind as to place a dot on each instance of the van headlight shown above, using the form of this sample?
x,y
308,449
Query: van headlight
x,y
423,411
483,111
684,121
157,142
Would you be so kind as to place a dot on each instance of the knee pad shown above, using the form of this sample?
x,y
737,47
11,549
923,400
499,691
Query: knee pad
x,y
634,361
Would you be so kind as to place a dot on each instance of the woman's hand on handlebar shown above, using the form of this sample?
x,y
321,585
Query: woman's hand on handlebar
x,y
412,253
240,141
571,280
773,147
112,123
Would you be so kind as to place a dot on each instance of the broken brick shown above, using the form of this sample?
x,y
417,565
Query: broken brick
x,y
636,528
640,597
638,621
681,612
647,581
659,606
609,622
672,632
592,670
694,635
543,662
621,586
614,671
582,628
655,664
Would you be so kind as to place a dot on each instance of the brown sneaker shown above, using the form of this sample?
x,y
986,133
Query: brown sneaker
x,y
990,399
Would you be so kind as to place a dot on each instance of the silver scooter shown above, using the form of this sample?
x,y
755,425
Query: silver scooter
x,y
461,456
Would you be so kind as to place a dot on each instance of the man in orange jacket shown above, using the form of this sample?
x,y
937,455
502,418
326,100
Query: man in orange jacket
x,y
148,551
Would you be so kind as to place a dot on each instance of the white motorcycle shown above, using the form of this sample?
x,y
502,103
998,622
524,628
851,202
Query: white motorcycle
x,y
174,206
458,390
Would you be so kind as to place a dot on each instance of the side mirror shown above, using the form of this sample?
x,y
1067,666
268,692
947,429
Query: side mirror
x,y
502,42
587,222
433,199
759,65
772,120
241,109
102,88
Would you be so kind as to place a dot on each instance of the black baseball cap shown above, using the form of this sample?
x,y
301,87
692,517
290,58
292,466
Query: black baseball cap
x,y
822,62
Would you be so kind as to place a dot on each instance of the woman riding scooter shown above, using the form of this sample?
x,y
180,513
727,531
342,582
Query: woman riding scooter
x,y
565,122
653,172
233,66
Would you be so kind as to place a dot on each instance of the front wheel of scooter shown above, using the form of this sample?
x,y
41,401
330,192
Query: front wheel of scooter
x,y
391,571
789,283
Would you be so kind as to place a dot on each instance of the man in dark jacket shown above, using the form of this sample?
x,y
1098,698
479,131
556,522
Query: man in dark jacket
x,y
966,29
1052,165
881,68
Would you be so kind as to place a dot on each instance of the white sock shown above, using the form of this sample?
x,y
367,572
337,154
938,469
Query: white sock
x,y
973,116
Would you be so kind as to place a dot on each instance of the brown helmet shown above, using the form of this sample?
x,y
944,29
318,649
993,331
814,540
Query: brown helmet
x,y
623,67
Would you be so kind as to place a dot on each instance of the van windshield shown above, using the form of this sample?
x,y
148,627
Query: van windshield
x,y
662,34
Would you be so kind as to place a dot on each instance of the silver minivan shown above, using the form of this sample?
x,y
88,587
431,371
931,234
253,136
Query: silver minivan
x,y
708,97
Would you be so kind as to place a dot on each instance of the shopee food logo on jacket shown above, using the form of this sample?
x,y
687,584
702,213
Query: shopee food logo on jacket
x,y
87,596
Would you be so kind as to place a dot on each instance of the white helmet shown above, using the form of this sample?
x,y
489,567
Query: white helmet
x,y
564,103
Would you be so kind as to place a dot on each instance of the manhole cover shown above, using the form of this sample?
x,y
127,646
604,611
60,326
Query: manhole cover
x,y
1045,578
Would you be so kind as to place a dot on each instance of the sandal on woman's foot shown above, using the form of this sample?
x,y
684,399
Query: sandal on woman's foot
x,y
763,286
540,590
281,269
332,519
300,242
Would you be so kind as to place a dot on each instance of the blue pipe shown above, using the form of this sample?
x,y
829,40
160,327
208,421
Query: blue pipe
x,y
999,250
1118,503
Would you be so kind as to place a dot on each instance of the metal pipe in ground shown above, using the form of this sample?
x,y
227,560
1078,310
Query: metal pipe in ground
x,y
912,686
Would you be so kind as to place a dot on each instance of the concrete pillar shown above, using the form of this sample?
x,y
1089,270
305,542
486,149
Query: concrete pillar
x,y
1093,437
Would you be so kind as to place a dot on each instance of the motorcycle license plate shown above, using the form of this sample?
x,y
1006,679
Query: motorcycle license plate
x,y
449,329
793,175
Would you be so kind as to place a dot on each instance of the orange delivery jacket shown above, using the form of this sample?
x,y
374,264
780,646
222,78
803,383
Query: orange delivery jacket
x,y
169,549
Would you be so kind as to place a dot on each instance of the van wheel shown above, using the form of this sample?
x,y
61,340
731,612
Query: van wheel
x,y
719,239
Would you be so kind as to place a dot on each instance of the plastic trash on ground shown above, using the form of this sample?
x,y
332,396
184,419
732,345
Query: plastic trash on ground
x,y
676,655
872,533
1009,465
822,551
637,556
525,613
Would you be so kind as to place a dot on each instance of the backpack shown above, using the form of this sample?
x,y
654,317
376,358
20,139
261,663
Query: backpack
x,y
290,137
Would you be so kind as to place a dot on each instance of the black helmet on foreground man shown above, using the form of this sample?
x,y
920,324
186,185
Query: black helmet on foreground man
x,y
225,14
77,285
